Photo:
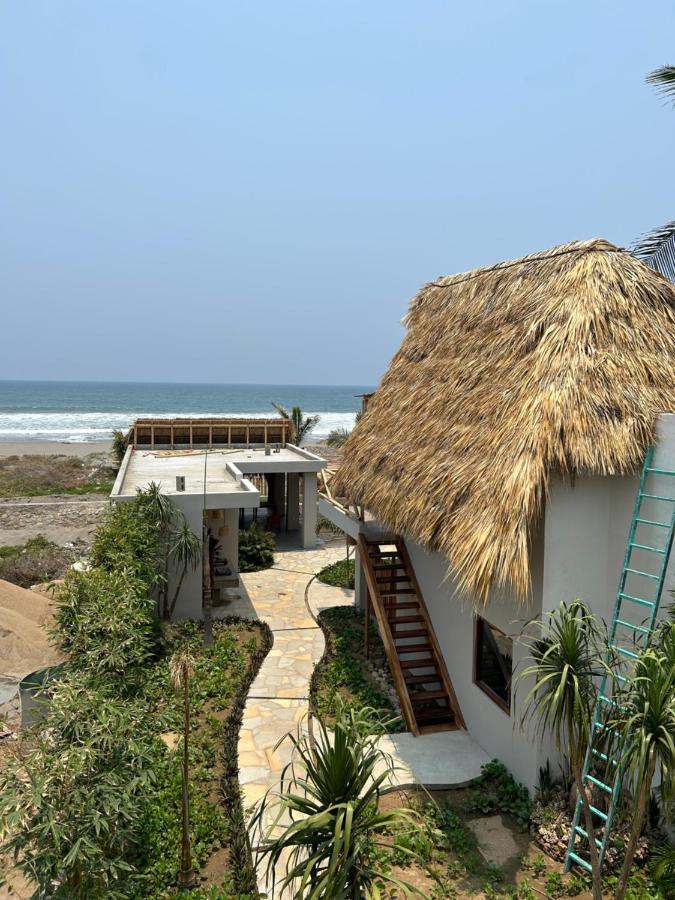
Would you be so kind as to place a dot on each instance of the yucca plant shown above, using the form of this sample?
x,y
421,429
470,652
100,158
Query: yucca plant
x,y
161,511
566,659
325,824
644,725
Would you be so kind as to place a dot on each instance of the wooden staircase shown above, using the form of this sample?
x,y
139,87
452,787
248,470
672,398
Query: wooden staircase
x,y
420,676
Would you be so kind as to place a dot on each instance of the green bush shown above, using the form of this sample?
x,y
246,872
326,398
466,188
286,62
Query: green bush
x,y
341,676
105,624
256,549
73,806
340,574
498,791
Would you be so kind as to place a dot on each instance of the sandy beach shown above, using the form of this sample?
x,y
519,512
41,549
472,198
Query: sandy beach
x,y
52,448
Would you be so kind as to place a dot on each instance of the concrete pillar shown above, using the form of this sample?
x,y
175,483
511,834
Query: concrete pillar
x,y
309,509
228,535
293,501
277,498
360,586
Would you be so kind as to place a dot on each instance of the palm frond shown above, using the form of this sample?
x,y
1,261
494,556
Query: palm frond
x,y
657,249
663,79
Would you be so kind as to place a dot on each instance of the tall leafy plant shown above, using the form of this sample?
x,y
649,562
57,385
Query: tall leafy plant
x,y
71,807
645,736
182,670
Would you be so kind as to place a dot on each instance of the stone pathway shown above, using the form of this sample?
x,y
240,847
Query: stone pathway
x,y
278,699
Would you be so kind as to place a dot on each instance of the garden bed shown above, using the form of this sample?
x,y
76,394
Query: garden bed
x,y
344,672
339,574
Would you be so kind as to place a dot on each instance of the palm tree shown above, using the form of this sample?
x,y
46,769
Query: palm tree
x,y
186,550
182,668
645,735
657,247
301,425
566,659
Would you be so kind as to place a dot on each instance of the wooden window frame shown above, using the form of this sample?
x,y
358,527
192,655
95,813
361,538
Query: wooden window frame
x,y
479,623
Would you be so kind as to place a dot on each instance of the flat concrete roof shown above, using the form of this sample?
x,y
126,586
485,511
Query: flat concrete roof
x,y
225,469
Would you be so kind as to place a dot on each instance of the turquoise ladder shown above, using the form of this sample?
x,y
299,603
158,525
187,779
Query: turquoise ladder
x,y
626,603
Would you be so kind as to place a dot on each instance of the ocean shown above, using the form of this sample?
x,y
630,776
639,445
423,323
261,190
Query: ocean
x,y
81,411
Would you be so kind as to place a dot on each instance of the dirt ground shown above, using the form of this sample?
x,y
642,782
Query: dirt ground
x,y
499,841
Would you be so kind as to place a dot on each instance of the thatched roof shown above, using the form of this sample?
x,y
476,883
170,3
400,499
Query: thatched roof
x,y
556,362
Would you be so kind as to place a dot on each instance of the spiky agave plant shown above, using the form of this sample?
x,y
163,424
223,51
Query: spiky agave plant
x,y
324,824
566,659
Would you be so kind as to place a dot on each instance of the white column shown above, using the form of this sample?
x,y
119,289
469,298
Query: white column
x,y
293,501
360,586
309,509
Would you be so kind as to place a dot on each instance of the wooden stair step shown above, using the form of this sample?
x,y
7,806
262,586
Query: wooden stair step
x,y
418,664
394,567
443,714
385,579
407,604
412,633
397,591
383,554
416,696
413,648
421,679
400,620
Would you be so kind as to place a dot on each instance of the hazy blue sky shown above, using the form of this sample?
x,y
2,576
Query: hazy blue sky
x,y
252,191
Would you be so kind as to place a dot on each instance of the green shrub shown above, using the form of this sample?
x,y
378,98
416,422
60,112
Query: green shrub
x,y
256,549
105,624
72,807
342,676
130,538
497,791
340,574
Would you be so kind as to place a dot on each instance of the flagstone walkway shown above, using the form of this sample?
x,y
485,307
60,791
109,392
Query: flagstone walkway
x,y
278,700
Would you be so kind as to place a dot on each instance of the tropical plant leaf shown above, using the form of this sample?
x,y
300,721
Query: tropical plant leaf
x,y
657,249
663,79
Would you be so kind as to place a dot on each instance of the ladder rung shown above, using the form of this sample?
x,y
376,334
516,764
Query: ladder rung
x,y
650,603
645,547
583,832
600,784
658,497
660,471
582,862
603,756
597,812
624,651
640,628
621,678
644,575
650,522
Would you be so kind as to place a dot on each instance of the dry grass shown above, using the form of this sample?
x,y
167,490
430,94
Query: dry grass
x,y
39,475
557,362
